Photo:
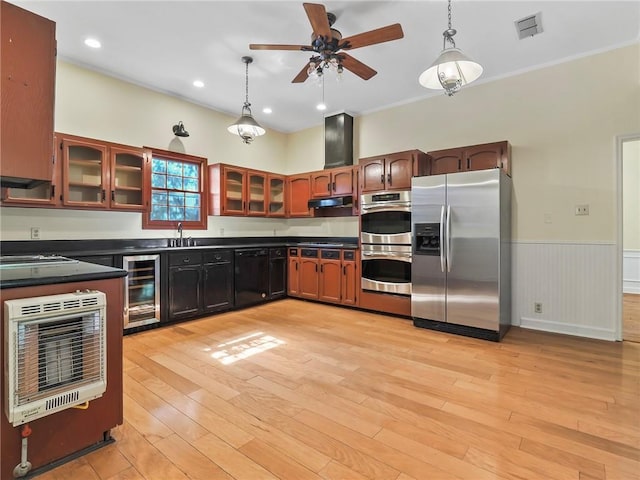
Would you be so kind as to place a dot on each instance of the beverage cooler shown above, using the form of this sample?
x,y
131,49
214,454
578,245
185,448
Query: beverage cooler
x,y
142,290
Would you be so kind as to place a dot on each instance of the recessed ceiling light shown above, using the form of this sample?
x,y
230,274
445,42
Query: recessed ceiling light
x,y
93,43
267,110
321,106
198,83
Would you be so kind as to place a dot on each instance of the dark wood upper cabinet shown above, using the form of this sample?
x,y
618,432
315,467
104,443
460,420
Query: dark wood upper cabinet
x,y
393,171
27,87
474,157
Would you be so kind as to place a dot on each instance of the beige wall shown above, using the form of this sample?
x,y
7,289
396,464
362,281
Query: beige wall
x,y
561,121
631,194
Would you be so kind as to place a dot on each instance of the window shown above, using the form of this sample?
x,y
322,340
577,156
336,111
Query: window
x,y
177,191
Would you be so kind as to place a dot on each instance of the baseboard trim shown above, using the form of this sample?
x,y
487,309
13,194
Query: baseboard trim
x,y
568,328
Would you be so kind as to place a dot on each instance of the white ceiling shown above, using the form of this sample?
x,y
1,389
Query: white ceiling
x,y
165,45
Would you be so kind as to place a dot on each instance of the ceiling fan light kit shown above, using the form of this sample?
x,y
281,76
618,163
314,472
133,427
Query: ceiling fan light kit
x,y
246,127
452,69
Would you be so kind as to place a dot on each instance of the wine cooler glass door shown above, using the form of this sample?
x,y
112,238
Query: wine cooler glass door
x,y
142,299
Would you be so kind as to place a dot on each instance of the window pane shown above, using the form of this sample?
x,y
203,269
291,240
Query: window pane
x,y
175,183
176,213
191,200
159,212
159,198
192,214
191,184
174,168
191,170
158,180
158,165
176,199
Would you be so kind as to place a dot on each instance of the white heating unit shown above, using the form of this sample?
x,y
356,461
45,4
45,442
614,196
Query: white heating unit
x,y
55,353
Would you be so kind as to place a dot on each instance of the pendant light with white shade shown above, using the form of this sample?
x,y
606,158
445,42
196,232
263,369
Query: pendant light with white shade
x,y
246,127
452,69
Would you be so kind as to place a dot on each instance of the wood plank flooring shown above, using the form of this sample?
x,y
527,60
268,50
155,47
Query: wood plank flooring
x,y
296,390
631,317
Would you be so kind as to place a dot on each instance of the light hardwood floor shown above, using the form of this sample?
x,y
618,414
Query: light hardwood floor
x,y
631,317
332,393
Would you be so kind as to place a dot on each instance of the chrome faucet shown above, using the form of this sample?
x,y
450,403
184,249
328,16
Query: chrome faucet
x,y
180,233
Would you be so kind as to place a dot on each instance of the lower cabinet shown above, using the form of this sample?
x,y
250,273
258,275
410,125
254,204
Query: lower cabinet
x,y
327,275
199,283
277,272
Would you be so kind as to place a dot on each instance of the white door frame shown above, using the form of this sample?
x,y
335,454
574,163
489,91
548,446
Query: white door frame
x,y
620,139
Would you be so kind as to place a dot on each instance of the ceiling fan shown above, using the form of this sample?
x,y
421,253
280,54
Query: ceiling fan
x,y
327,45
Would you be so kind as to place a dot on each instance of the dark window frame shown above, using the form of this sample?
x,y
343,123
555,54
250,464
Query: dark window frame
x,y
201,162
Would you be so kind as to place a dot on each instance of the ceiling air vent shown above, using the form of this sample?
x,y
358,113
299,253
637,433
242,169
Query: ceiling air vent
x,y
529,26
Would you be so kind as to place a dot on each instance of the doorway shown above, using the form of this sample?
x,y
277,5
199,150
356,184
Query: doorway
x,y
629,154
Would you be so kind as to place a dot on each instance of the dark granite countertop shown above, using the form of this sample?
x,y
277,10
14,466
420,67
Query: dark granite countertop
x,y
29,275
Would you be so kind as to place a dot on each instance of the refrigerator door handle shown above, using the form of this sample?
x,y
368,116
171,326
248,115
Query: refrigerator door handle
x,y
448,235
442,238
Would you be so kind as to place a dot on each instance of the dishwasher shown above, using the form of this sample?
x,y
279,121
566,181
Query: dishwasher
x,y
251,276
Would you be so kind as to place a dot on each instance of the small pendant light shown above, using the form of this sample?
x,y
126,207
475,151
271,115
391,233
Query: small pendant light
x,y
452,69
246,127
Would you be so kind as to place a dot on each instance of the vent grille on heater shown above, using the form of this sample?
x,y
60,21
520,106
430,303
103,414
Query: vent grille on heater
x,y
55,353
529,26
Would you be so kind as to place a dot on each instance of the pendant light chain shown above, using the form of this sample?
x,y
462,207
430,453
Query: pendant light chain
x,y
450,32
246,84
449,8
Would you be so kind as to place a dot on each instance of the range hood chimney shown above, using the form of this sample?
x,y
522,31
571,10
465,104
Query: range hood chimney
x,y
338,141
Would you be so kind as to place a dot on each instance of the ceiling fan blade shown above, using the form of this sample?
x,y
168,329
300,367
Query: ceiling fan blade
x,y
271,46
318,18
356,66
379,35
302,76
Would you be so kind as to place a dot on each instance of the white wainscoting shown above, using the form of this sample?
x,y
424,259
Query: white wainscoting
x,y
575,283
631,271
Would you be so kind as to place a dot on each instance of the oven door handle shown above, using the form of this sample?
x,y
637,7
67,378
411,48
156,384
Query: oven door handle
x,y
388,207
401,256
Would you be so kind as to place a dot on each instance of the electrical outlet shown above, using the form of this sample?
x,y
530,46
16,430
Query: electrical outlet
x,y
537,307
222,232
582,209
35,233
274,232
548,218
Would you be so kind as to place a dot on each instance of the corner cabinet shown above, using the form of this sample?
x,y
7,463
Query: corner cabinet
x,y
474,157
392,171
27,88
298,195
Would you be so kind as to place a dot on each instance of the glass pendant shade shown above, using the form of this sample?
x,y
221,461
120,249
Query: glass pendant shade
x,y
246,127
451,71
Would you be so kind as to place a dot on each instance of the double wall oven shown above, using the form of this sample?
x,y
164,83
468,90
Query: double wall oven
x,y
385,241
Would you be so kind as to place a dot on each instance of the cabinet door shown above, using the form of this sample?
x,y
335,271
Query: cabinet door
x,y
330,281
233,190
294,276
342,181
184,291
276,195
46,194
320,184
446,161
217,286
350,282
85,176
372,174
298,195
256,194
399,170
482,157
28,65
277,277
309,277
127,168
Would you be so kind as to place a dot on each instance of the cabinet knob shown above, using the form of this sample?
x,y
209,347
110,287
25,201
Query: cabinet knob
x,y
185,260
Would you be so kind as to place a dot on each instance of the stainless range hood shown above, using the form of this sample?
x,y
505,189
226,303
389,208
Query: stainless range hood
x,y
331,202
338,141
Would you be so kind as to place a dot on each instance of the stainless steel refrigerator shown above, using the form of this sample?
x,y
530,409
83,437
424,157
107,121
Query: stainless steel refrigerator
x,y
461,270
